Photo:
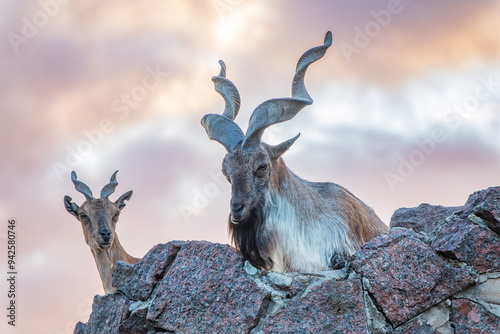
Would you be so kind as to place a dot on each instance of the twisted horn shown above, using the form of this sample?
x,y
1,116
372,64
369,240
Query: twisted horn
x,y
81,187
228,91
222,128
279,110
110,187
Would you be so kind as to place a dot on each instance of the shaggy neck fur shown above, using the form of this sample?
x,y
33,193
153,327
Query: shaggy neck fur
x,y
306,237
284,234
304,226
105,260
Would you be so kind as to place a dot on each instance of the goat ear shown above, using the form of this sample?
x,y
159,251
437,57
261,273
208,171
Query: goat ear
x,y
71,207
277,151
125,197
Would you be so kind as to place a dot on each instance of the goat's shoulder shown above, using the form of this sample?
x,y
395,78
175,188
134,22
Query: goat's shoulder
x,y
330,191
362,220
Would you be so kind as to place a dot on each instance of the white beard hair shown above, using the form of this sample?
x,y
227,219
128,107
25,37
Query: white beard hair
x,y
303,245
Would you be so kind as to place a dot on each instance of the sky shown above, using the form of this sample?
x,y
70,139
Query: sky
x,y
406,111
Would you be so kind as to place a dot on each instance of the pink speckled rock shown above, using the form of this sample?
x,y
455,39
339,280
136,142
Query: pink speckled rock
x,y
477,246
80,328
137,281
107,313
423,218
419,328
406,276
324,309
136,323
486,205
471,318
206,290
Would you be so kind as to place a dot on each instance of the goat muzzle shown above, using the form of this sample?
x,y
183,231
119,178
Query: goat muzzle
x,y
239,213
105,239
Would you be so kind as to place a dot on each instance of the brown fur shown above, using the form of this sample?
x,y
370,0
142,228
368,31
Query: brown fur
x,y
98,218
313,202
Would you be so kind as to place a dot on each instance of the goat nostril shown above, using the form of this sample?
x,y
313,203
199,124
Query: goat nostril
x,y
105,235
238,208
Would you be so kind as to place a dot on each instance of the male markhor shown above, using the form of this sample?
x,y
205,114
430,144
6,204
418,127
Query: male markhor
x,y
279,221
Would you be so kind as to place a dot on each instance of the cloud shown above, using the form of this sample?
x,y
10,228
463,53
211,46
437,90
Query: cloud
x,y
421,37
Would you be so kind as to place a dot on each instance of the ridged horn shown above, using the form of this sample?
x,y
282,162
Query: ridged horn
x,y
81,187
279,110
222,128
110,187
228,92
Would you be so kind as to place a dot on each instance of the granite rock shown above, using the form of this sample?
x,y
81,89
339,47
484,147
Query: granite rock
x,y
475,245
80,328
136,323
107,313
486,293
137,281
423,218
376,321
486,205
406,277
471,318
435,320
324,309
207,291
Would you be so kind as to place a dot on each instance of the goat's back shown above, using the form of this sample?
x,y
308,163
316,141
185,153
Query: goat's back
x,y
362,221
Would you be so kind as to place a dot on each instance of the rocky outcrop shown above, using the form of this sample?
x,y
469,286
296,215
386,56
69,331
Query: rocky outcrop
x,y
405,276
423,218
436,271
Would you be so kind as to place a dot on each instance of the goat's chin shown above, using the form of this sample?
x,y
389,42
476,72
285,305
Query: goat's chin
x,y
239,220
105,246
248,238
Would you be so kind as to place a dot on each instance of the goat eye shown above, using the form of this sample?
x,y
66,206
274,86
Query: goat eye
x,y
82,216
116,215
262,168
